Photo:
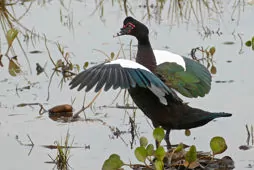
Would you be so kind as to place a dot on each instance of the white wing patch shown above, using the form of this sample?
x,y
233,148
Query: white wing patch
x,y
131,64
128,64
166,56
159,93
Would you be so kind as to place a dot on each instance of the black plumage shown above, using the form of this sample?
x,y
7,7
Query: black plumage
x,y
147,90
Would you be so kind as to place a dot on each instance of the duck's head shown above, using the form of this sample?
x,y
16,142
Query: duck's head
x,y
134,28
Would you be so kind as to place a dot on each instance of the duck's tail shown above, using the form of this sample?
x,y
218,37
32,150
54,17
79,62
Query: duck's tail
x,y
196,117
221,114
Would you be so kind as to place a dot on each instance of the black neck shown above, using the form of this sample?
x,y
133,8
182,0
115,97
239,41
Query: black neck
x,y
145,55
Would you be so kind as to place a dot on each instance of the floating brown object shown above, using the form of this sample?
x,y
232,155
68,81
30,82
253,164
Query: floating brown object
x,y
61,111
61,108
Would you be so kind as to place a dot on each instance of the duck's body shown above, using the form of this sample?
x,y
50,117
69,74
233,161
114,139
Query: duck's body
x,y
152,94
174,115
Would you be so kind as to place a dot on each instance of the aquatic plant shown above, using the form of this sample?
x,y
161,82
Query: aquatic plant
x,y
158,159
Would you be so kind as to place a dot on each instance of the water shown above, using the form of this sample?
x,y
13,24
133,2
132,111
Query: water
x,y
88,32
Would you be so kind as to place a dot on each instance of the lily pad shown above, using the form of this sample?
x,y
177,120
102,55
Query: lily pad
x,y
159,165
141,154
191,155
158,134
218,145
143,141
113,163
160,153
150,150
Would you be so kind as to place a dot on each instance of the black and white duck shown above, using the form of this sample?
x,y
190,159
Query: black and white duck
x,y
151,82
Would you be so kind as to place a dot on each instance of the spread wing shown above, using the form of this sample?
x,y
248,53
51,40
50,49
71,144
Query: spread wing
x,y
185,75
122,74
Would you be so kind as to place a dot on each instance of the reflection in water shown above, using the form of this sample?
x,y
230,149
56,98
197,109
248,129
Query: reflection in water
x,y
63,155
250,135
31,144
206,57
249,140
238,9
177,11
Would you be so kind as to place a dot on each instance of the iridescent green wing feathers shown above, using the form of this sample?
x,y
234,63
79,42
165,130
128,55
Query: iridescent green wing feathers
x,y
193,82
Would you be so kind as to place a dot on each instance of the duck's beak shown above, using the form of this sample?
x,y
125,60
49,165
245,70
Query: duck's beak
x,y
123,31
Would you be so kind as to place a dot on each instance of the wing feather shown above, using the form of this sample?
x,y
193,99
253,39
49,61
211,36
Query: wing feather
x,y
126,84
115,75
76,81
85,79
120,73
109,83
185,75
102,80
131,80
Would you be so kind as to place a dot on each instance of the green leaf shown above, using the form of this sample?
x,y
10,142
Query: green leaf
x,y
85,65
179,147
187,132
212,51
252,42
191,155
150,150
77,67
160,153
213,69
248,43
112,55
113,163
143,141
11,35
141,154
21,105
14,68
158,134
218,145
159,165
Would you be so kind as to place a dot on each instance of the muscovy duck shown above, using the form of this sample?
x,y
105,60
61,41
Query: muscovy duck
x,y
150,80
